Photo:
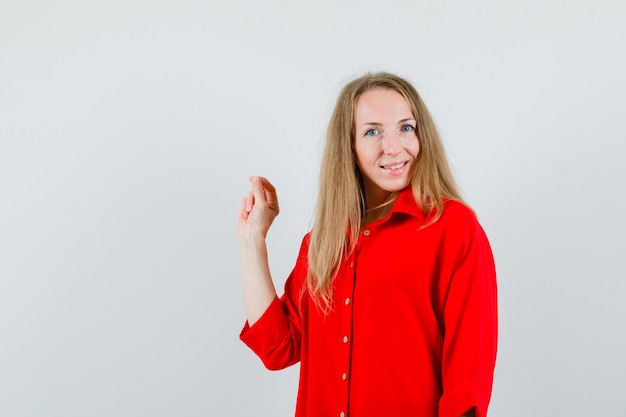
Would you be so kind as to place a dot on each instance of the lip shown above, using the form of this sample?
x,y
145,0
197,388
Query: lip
x,y
395,168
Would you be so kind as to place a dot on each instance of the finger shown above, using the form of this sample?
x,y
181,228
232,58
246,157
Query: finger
x,y
269,193
257,190
272,199
268,186
249,202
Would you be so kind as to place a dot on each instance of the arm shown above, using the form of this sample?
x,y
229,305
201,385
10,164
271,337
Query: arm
x,y
258,211
470,322
273,329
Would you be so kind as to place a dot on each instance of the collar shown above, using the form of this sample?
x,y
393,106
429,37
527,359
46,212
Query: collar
x,y
405,203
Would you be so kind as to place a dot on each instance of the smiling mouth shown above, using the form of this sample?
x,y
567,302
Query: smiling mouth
x,y
394,166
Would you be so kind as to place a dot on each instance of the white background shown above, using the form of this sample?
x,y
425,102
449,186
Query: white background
x,y
128,130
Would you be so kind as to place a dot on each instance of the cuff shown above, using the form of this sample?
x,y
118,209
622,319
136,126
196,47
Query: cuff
x,y
460,399
270,328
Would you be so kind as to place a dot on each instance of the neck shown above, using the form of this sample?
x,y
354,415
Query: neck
x,y
374,212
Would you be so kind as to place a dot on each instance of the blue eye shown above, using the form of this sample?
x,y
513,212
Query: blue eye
x,y
371,132
408,128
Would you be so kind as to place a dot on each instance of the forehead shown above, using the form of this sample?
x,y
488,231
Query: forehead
x,y
381,103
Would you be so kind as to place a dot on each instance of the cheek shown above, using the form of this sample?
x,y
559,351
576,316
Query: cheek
x,y
415,148
362,155
357,156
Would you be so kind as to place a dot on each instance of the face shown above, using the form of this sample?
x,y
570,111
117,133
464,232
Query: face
x,y
386,143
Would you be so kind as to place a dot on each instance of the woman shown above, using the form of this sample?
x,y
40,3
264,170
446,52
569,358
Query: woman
x,y
391,307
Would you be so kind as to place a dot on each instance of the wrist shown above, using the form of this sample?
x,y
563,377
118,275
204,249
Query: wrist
x,y
251,240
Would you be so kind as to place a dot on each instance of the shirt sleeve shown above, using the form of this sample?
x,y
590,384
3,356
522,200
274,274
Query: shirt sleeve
x,y
470,324
276,337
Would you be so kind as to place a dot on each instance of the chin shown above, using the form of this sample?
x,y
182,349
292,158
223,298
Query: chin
x,y
396,186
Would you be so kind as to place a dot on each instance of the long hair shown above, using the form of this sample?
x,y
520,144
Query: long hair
x,y
340,201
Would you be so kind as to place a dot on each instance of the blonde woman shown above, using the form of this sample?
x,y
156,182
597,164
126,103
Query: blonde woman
x,y
391,308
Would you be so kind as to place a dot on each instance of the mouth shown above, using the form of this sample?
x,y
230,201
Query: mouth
x,y
394,166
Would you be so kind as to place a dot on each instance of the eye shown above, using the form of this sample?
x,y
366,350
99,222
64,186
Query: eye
x,y
407,128
371,132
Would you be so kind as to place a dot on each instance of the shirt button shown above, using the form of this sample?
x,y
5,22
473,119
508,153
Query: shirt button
x,y
366,232
344,377
351,264
345,339
342,414
347,301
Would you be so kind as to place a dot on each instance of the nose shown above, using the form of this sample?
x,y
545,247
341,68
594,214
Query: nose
x,y
392,143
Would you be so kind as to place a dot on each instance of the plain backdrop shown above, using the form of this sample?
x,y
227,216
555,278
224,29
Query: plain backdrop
x,y
128,131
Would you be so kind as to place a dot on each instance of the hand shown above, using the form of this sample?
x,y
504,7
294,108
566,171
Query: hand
x,y
258,209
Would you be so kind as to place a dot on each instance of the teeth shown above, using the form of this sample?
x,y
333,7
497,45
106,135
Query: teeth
x,y
397,166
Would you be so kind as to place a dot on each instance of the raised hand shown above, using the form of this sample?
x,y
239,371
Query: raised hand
x,y
258,209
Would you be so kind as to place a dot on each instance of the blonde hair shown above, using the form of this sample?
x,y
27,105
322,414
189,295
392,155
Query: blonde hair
x,y
340,203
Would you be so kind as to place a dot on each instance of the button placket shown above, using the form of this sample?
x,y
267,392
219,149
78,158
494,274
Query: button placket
x,y
346,337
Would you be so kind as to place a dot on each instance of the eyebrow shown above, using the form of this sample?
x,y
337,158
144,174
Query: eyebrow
x,y
380,124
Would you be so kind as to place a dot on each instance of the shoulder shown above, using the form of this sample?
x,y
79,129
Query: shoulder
x,y
306,240
304,247
459,222
455,211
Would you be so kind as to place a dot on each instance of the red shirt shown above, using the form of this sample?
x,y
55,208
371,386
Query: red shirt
x,y
413,329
